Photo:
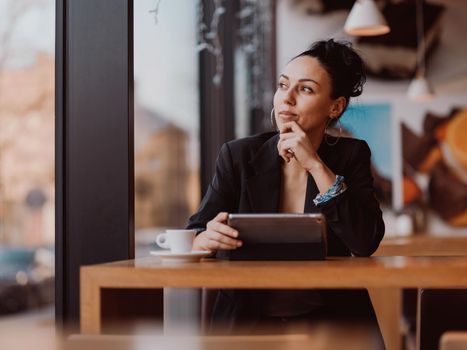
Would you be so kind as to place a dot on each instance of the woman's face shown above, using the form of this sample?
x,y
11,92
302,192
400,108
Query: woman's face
x,y
303,95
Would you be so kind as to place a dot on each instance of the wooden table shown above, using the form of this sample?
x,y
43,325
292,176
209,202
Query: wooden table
x,y
388,273
388,302
423,245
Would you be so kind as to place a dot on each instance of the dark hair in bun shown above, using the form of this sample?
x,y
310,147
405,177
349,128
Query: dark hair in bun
x,y
345,67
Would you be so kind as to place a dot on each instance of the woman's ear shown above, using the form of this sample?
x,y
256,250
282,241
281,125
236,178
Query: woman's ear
x,y
338,107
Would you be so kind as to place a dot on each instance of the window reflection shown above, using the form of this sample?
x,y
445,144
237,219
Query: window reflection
x,y
27,40
166,117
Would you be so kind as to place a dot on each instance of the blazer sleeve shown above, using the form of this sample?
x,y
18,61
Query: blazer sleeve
x,y
221,194
355,216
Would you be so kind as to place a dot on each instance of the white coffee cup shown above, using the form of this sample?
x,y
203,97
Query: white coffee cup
x,y
177,240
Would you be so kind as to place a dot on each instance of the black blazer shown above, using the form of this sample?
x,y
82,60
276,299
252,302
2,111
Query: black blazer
x,y
248,180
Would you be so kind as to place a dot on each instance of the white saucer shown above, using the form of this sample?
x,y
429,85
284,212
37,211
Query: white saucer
x,y
168,256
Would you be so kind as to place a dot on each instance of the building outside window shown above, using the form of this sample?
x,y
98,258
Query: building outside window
x,y
27,40
166,122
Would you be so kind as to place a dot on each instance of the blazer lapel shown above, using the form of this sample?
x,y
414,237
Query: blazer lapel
x,y
264,184
311,192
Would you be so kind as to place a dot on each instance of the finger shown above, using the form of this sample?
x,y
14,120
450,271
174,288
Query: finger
x,y
219,237
296,128
287,157
285,128
215,245
286,154
282,152
280,145
222,216
286,136
289,145
289,154
294,137
291,127
222,228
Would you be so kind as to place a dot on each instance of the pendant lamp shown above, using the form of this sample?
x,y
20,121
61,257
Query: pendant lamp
x,y
420,89
365,19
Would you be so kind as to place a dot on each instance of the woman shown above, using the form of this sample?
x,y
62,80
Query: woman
x,y
299,169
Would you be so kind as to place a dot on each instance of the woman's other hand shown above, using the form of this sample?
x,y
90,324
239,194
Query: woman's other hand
x,y
218,235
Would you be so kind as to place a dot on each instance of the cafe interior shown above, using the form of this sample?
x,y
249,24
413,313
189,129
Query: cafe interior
x,y
112,119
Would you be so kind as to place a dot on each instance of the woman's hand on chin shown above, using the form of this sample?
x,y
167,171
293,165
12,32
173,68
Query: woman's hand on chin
x,y
294,143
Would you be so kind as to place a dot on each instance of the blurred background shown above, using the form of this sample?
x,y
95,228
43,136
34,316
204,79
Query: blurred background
x,y
27,40
419,148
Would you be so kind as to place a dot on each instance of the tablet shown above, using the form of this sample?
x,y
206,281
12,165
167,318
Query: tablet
x,y
279,236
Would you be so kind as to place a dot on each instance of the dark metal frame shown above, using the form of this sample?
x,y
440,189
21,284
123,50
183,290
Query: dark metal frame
x,y
93,141
260,120
217,114
217,109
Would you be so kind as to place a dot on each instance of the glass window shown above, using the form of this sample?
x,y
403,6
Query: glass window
x,y
27,42
166,117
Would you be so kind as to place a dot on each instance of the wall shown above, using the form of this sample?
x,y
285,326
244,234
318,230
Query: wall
x,y
446,69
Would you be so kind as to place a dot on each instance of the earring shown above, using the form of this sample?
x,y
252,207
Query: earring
x,y
326,134
273,120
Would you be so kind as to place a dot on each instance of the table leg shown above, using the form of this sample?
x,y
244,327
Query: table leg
x,y
182,311
419,319
90,305
387,303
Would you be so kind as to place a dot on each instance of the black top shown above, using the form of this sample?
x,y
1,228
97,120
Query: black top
x,y
248,180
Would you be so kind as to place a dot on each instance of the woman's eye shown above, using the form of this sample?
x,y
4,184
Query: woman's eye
x,y
281,85
307,89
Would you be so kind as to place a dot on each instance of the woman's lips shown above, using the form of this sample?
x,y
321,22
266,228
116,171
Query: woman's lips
x,y
287,116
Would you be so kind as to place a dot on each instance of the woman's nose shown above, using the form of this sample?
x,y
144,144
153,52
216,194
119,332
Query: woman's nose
x,y
289,97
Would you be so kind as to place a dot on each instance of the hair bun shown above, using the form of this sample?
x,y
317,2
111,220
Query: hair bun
x,y
343,64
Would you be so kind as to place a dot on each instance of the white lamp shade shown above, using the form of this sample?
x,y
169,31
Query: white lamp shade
x,y
365,19
420,90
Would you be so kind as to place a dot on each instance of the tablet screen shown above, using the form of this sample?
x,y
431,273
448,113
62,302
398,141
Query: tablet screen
x,y
278,237
279,228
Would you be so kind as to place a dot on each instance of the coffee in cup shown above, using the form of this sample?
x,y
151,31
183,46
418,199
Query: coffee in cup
x,y
177,240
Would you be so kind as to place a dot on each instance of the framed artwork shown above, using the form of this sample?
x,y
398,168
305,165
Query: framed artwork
x,y
374,124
